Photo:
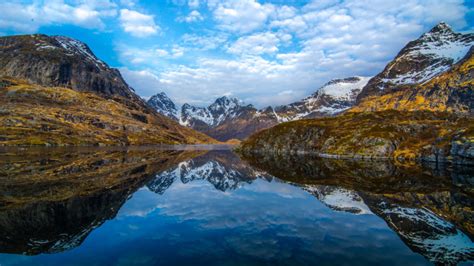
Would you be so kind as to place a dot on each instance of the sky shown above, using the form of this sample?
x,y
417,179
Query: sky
x,y
260,51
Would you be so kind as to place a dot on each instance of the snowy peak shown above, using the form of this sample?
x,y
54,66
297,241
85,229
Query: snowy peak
x,y
213,115
164,105
75,47
195,117
334,97
421,60
343,89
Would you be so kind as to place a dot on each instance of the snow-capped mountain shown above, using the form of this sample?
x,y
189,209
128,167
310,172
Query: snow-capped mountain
x,y
334,97
211,116
164,105
421,60
227,118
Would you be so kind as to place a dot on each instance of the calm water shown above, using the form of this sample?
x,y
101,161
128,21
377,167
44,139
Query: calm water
x,y
186,206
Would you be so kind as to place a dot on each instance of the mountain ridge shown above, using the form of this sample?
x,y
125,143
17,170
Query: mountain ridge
x,y
228,118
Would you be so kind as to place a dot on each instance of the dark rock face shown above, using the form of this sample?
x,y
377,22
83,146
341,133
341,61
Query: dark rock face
x,y
59,61
420,60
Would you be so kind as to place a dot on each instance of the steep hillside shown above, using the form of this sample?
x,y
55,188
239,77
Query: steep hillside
x,y
36,115
390,134
420,60
451,91
56,92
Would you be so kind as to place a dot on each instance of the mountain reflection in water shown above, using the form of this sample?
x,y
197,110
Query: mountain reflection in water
x,y
189,206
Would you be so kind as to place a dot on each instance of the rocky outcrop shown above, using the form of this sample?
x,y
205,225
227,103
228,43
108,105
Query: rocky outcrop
x,y
389,134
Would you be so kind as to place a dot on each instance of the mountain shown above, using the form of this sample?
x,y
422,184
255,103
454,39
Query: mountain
x,y
59,61
164,105
451,91
227,118
428,118
204,117
333,98
54,91
421,60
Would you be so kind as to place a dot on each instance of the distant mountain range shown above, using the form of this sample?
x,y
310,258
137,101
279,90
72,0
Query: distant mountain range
x,y
420,62
228,118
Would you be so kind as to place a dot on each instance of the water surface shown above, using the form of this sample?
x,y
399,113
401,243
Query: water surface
x,y
188,206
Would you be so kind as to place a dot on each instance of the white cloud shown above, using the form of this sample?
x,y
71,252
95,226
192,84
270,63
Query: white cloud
x,y
204,42
193,4
193,16
28,18
259,43
331,41
177,51
138,24
241,16
145,83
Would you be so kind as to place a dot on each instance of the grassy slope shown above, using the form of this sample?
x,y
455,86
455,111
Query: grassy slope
x,y
403,135
36,115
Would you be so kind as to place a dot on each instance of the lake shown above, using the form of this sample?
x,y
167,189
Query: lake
x,y
192,205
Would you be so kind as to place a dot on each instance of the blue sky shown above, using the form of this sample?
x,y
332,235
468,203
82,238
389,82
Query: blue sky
x,y
263,52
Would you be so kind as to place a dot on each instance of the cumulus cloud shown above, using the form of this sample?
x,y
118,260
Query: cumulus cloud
x,y
28,18
138,24
193,4
259,43
192,17
241,16
334,39
204,42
